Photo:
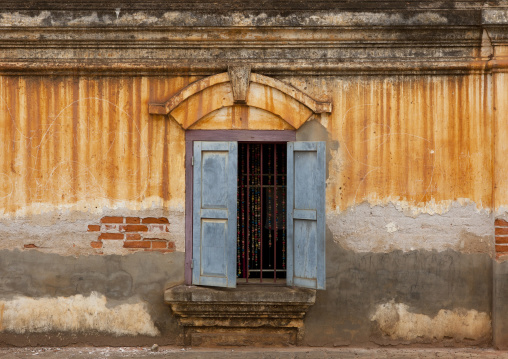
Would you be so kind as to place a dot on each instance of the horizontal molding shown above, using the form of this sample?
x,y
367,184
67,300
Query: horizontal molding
x,y
334,15
271,50
106,67
234,5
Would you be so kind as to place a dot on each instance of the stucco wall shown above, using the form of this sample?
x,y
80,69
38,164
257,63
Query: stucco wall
x,y
416,173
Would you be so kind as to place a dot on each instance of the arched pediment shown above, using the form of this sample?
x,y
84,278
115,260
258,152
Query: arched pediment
x,y
229,89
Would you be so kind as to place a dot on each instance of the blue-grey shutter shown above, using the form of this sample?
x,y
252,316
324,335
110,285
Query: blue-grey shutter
x,y
214,214
306,171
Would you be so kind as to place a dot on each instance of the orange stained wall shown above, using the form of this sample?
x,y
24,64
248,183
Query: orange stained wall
x,y
90,140
423,140
419,141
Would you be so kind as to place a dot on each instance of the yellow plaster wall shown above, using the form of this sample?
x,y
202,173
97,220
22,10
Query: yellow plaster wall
x,y
418,140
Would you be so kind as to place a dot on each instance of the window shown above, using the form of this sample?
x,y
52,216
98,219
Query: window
x,y
261,212
215,210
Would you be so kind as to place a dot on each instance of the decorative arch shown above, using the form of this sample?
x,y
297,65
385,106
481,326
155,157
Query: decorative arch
x,y
236,87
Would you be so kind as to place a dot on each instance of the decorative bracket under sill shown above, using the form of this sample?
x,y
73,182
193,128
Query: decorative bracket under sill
x,y
246,315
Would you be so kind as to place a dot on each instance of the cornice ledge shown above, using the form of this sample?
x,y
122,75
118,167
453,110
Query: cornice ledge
x,y
198,67
381,16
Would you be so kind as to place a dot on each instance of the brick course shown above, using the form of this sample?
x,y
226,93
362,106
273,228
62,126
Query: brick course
x,y
501,232
137,234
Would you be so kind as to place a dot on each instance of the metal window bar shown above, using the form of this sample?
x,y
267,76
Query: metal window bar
x,y
262,175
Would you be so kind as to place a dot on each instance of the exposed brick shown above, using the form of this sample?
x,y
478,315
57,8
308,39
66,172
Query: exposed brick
x,y
111,236
132,220
94,228
96,244
167,228
161,220
133,228
132,237
112,220
501,231
501,240
501,223
136,244
31,245
159,244
501,248
171,245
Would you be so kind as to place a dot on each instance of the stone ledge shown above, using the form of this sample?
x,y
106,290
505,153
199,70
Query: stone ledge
x,y
240,316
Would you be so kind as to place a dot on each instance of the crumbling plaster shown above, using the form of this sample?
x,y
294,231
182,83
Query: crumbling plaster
x,y
367,228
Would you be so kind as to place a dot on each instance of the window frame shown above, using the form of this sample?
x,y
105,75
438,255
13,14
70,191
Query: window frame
x,y
216,135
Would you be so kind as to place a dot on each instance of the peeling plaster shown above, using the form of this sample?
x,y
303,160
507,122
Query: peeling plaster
x,y
63,229
366,228
396,321
75,314
17,19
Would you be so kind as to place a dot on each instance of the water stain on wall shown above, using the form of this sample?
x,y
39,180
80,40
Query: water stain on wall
x,y
75,314
398,322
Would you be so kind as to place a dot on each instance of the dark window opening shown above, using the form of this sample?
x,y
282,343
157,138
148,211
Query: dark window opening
x,y
261,211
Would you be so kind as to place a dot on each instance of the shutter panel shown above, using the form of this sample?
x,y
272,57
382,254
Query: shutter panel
x,y
306,171
214,213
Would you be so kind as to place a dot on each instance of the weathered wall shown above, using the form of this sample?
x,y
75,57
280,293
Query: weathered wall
x,y
409,196
106,300
92,186
409,211
396,297
406,139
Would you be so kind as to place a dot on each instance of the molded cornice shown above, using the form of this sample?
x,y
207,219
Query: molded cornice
x,y
275,43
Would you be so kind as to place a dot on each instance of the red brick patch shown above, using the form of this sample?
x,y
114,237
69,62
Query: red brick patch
x,y
501,223
136,244
149,220
31,245
94,228
501,231
501,248
133,228
112,220
159,245
137,233
133,236
502,240
111,236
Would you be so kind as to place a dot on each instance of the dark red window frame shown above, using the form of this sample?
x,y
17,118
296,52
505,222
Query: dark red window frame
x,y
217,135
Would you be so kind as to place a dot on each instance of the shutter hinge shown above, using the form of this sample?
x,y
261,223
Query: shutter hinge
x,y
192,161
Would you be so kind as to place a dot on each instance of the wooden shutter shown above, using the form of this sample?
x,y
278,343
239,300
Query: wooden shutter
x,y
214,213
306,171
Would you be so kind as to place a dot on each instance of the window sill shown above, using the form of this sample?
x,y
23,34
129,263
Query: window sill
x,y
248,315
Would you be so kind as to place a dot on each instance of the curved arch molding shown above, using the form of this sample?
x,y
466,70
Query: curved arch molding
x,y
212,93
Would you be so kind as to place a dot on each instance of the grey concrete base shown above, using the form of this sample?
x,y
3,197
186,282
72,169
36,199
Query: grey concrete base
x,y
370,299
500,306
48,299
427,285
